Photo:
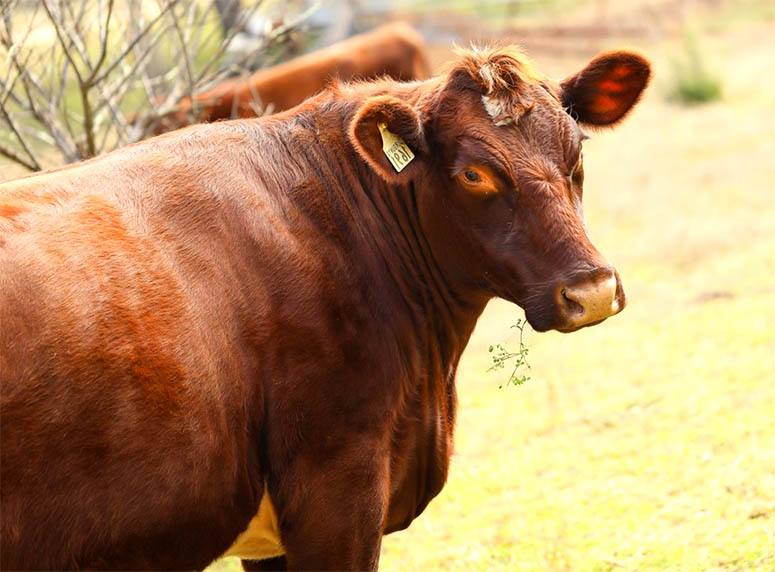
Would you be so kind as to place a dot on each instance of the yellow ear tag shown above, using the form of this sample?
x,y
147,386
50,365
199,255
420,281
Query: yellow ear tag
x,y
397,152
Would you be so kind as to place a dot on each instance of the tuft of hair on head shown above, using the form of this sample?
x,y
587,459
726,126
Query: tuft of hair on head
x,y
501,69
502,75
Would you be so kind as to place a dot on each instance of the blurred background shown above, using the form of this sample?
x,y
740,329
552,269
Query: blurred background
x,y
646,443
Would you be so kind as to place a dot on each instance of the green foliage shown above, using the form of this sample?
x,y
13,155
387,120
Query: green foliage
x,y
692,82
500,355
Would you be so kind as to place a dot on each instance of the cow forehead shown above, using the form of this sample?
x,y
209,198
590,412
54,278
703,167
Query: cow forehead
x,y
518,112
536,127
508,108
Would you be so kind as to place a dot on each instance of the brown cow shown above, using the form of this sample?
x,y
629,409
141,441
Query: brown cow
x,y
264,317
394,50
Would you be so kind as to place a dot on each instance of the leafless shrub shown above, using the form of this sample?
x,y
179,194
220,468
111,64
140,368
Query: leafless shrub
x,y
87,76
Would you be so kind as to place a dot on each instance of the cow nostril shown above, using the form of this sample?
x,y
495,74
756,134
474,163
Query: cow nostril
x,y
589,302
571,304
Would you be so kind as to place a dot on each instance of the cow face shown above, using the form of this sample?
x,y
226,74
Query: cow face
x,y
500,177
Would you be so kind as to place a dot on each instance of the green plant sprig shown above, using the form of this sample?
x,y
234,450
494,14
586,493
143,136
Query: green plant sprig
x,y
500,355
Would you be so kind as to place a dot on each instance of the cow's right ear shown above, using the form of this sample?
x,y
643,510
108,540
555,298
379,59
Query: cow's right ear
x,y
387,133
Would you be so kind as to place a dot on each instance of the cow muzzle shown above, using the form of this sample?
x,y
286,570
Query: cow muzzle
x,y
589,299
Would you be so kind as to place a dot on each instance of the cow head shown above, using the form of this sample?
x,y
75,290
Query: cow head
x,y
499,176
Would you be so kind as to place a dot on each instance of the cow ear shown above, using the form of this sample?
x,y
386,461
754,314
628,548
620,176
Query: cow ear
x,y
387,133
603,92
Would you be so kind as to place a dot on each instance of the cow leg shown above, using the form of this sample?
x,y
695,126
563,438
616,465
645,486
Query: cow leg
x,y
334,518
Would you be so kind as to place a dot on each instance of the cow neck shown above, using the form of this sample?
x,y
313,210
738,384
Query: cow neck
x,y
442,315
387,244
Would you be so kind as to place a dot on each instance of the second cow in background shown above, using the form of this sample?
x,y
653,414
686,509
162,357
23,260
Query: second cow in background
x,y
394,50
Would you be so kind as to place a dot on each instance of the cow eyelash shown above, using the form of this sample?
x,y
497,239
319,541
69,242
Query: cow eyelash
x,y
478,179
576,166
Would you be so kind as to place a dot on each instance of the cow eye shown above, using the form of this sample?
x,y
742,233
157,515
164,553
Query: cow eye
x,y
472,176
479,180
577,174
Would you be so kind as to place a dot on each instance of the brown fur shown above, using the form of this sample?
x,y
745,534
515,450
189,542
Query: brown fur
x,y
393,50
265,301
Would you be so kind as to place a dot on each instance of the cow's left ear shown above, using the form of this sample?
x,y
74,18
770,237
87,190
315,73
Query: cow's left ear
x,y
388,134
603,92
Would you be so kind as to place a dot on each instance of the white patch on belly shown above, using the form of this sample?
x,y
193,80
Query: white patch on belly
x,y
261,539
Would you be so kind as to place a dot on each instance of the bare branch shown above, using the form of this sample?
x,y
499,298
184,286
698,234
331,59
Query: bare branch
x,y
186,57
20,138
73,33
134,42
104,33
124,82
58,30
29,164
75,95
30,83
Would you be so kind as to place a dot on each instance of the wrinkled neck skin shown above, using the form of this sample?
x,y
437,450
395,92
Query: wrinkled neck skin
x,y
386,228
443,316
416,311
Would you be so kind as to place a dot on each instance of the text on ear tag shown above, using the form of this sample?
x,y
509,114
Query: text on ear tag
x,y
397,152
